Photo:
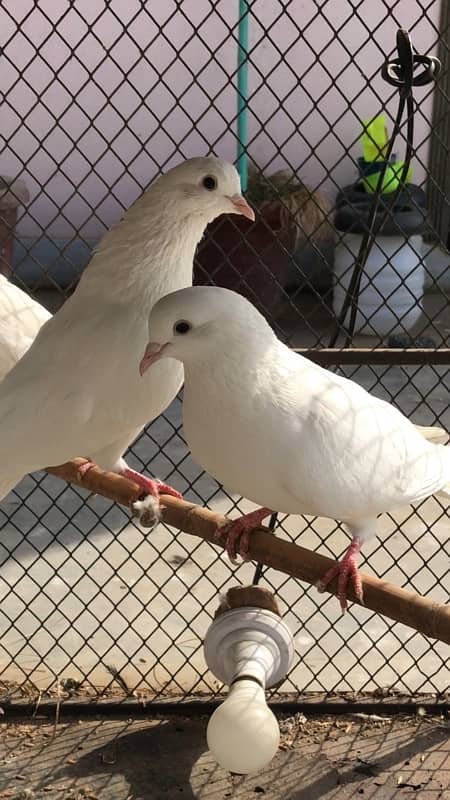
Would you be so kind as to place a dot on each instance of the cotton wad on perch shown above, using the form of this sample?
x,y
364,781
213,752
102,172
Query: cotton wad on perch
x,y
250,648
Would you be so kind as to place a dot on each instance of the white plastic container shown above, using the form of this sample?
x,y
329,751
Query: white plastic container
x,y
391,291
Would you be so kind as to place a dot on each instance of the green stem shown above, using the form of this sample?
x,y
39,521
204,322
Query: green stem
x,y
242,87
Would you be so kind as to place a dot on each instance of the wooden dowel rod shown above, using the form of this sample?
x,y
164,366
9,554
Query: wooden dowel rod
x,y
420,613
96,480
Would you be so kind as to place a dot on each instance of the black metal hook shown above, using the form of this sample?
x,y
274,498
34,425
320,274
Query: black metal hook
x,y
399,72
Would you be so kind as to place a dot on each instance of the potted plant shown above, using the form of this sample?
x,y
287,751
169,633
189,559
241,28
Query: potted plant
x,y
307,211
258,259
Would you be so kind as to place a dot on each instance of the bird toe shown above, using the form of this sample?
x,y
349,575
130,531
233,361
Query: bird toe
x,y
164,488
330,574
84,468
357,585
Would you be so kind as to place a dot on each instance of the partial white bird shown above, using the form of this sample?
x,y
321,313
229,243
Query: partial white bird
x,y
284,432
77,390
21,318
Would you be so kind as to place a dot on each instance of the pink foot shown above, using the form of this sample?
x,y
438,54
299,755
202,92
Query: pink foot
x,y
85,468
237,532
150,485
347,570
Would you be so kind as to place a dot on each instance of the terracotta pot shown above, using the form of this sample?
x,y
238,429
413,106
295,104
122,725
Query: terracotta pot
x,y
13,193
8,218
251,258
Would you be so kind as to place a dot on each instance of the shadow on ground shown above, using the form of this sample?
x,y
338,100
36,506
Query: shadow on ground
x,y
168,758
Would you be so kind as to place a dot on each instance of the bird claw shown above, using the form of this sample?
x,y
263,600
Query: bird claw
x,y
164,488
152,486
347,571
234,536
84,468
236,533
147,509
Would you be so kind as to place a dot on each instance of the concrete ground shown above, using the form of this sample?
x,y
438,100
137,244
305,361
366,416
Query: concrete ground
x,y
85,592
336,758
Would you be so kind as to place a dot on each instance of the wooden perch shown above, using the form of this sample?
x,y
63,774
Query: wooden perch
x,y
424,615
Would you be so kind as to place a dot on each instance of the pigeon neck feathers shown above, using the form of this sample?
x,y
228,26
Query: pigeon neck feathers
x,y
149,252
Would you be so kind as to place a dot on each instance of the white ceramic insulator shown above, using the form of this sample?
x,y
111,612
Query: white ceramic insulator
x,y
248,648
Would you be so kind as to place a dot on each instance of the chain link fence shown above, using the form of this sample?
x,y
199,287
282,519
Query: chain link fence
x,y
99,97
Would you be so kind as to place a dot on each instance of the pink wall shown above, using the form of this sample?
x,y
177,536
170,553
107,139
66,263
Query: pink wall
x,y
282,113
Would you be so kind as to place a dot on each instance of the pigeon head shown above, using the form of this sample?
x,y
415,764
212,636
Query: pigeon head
x,y
207,187
201,321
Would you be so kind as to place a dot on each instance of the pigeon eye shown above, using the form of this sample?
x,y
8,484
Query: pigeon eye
x,y
209,183
182,326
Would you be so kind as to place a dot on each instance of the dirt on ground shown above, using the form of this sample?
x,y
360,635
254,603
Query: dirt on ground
x,y
359,755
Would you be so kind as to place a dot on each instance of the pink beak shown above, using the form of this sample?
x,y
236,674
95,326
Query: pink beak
x,y
153,352
242,207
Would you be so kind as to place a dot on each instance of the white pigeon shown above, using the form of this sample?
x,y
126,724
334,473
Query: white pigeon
x,y
77,390
21,317
282,431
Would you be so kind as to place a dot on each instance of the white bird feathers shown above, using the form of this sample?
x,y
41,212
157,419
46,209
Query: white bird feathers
x,y
76,391
284,432
21,317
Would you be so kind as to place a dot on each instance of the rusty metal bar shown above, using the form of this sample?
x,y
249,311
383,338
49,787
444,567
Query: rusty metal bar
x,y
408,356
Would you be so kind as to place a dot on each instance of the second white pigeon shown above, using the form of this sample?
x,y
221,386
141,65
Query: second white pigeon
x,y
76,391
282,431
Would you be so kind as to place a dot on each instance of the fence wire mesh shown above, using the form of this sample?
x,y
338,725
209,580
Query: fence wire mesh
x,y
99,97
